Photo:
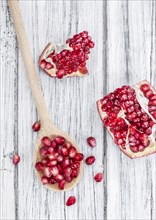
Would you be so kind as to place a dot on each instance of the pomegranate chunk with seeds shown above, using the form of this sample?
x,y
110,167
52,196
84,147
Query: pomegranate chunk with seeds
x,y
59,162
129,114
69,59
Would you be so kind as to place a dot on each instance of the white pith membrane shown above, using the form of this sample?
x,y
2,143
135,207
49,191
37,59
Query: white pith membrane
x,y
143,101
58,49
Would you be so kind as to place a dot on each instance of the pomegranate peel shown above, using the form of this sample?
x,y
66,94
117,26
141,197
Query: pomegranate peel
x,y
67,60
129,114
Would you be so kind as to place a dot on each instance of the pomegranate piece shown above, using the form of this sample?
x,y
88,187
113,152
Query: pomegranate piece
x,y
71,201
98,177
69,59
15,159
129,114
90,160
36,126
91,141
59,161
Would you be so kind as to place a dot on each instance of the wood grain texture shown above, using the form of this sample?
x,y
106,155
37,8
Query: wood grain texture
x,y
125,53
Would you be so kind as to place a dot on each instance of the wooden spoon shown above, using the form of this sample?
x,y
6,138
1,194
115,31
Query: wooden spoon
x,y
47,127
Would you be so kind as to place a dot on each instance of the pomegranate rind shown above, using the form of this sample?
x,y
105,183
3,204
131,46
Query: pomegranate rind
x,y
52,72
151,149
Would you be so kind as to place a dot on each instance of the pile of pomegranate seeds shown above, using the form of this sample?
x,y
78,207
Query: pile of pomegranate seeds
x,y
15,159
71,60
91,141
129,113
59,163
36,126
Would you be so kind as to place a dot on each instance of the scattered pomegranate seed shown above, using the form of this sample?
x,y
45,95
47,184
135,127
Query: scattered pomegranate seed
x,y
15,159
71,201
36,126
91,141
98,177
90,160
46,141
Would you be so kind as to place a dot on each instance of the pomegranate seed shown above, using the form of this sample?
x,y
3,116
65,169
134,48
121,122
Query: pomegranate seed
x,y
43,64
98,177
65,162
91,141
52,163
54,170
79,157
53,144
46,141
47,172
72,152
45,160
59,140
60,158
62,184
74,173
36,126
68,179
15,159
49,66
39,166
58,178
67,171
52,180
149,94
64,151
60,169
60,74
144,88
44,180
50,150
71,201
67,145
90,160
43,151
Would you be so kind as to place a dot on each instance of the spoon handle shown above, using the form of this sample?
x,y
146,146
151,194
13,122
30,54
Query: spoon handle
x,y
28,61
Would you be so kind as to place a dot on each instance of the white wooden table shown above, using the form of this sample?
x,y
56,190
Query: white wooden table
x,y
125,53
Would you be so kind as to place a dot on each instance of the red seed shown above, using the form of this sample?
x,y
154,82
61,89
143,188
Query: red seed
x,y
72,152
39,166
46,141
60,73
43,151
62,184
60,158
36,126
44,180
52,163
47,172
54,171
43,64
90,160
71,201
52,180
91,141
68,179
64,151
74,173
50,150
49,66
144,88
58,178
60,140
98,177
79,157
65,162
15,159
53,144
67,171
